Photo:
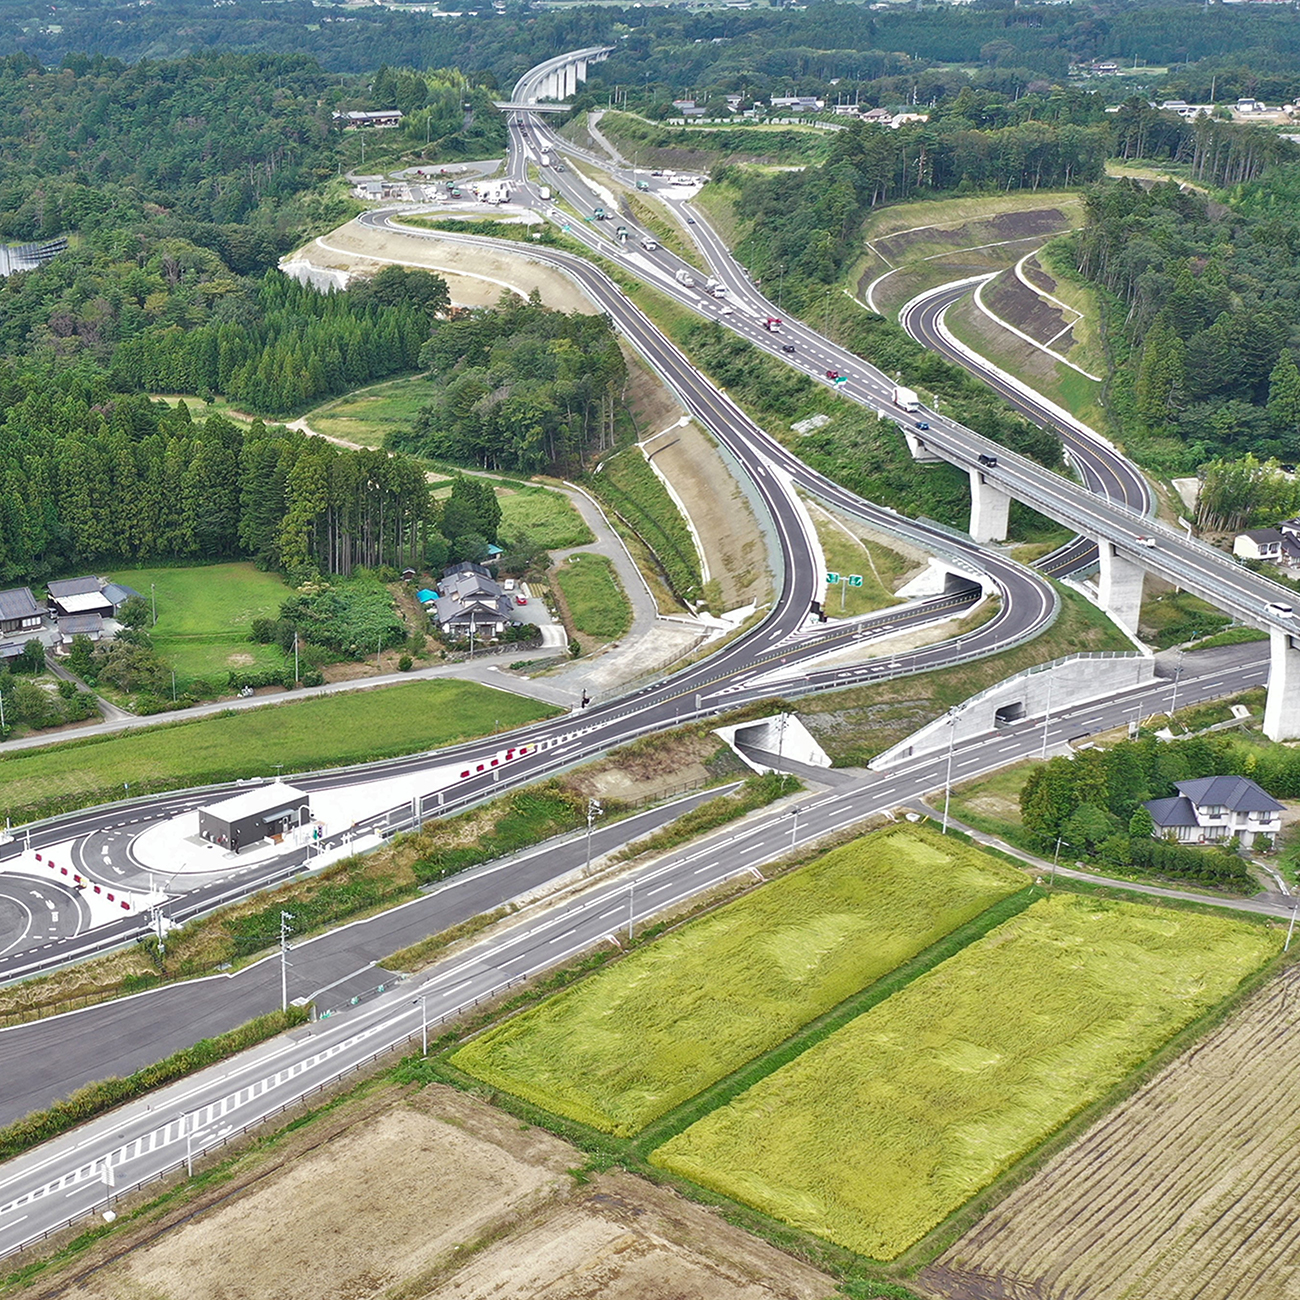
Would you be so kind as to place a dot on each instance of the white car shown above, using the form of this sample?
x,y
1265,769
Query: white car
x,y
1281,610
1146,541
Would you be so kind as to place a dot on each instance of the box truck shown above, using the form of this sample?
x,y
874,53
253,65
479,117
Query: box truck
x,y
906,399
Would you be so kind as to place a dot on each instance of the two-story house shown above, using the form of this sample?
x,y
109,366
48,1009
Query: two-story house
x,y
1212,809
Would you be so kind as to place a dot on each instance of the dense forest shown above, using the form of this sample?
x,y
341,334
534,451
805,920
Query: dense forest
x,y
766,50
520,388
276,345
1206,366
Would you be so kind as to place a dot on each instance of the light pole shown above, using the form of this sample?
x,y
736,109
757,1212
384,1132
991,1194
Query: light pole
x,y
1047,717
424,1024
1290,930
189,1143
285,918
1178,676
947,786
1055,858
631,908
153,600
593,811
794,826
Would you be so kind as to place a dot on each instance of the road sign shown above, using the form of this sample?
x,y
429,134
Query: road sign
x,y
832,578
855,580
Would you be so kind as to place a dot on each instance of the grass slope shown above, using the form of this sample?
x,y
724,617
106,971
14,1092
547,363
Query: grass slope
x,y
641,1037
877,1134
326,731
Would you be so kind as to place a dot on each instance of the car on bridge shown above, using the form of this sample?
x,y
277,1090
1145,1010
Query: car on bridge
x,y
787,347
832,374
925,424
1146,541
991,462
1283,611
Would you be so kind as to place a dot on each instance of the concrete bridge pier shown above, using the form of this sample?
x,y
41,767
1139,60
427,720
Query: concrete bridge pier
x,y
570,80
989,508
1119,586
1282,709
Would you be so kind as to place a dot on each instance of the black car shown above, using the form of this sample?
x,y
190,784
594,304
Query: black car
x,y
922,424
787,347
990,461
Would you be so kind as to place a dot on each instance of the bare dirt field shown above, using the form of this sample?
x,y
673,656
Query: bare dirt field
x,y
723,520
1186,1190
436,1194
475,276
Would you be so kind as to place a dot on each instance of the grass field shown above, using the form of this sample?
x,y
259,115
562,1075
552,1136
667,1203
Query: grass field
x,y
595,597
874,1136
546,516
326,731
367,416
204,615
641,1037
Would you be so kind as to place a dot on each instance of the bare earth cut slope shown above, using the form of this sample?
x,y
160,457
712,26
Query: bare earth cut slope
x,y
1187,1190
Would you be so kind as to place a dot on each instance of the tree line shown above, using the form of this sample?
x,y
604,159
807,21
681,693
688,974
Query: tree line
x,y
91,477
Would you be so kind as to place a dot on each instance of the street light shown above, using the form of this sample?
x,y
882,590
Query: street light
x,y
794,826
593,811
424,1024
947,787
1178,676
285,918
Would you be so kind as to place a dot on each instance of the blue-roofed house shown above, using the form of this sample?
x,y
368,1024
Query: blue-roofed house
x,y
1211,809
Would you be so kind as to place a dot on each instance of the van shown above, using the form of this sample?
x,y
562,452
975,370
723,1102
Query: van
x,y
1281,610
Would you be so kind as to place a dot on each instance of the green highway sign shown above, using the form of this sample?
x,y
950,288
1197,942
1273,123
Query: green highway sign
x,y
832,578
855,580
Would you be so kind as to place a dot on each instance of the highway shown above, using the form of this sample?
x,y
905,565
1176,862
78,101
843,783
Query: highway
x,y
63,1179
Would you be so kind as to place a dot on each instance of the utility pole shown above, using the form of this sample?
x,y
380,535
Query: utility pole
x,y
285,918
153,600
631,908
794,826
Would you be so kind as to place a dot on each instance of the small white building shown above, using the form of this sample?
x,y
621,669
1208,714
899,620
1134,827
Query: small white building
x,y
1258,544
1212,809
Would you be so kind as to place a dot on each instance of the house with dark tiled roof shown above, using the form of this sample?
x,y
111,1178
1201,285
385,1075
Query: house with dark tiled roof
x,y
19,612
1211,809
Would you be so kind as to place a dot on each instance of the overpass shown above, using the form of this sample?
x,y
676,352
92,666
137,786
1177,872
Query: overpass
x,y
1130,543
554,80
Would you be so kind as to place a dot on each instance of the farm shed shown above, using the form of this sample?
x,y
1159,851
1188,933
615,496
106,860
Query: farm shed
x,y
255,815
79,596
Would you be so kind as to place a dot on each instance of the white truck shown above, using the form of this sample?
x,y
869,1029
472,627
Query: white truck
x,y
684,277
717,288
545,193
649,244
546,160
906,399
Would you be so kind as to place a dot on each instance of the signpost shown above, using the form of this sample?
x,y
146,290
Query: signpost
x,y
844,581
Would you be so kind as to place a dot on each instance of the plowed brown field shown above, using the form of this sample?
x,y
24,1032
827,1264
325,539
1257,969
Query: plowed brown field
x,y
1185,1192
